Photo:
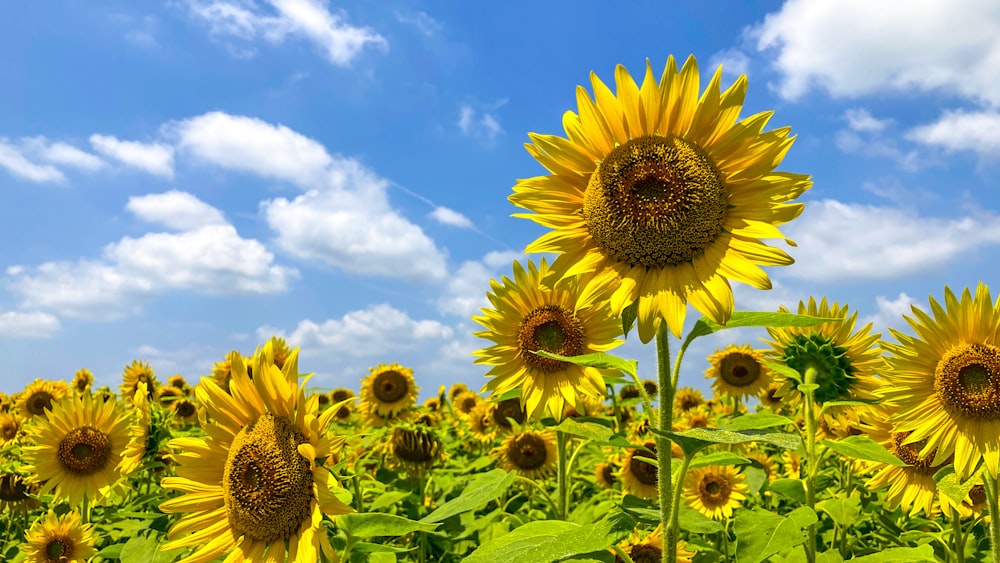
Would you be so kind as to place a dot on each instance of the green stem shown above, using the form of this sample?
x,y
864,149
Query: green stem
x,y
675,503
422,538
621,554
810,439
725,539
536,487
85,510
664,458
956,534
617,409
993,499
562,481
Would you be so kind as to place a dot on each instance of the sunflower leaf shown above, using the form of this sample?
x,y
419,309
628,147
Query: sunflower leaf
x,y
953,488
721,436
782,369
695,522
902,554
598,433
756,421
552,540
373,524
791,488
763,534
863,447
843,511
629,314
773,319
719,458
484,488
599,360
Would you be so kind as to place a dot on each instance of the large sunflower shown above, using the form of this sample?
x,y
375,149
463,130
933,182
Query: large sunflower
x,y
253,487
40,395
75,451
537,311
388,390
945,381
715,490
660,193
59,538
135,372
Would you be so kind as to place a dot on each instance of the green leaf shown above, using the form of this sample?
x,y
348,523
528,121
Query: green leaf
x,y
598,360
629,314
756,421
773,319
641,509
791,488
718,458
146,549
762,534
387,499
720,436
696,522
485,487
844,511
373,524
368,547
598,433
950,485
863,447
551,540
902,554
514,393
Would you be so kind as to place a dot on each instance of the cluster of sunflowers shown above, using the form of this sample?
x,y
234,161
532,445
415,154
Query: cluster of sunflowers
x,y
829,444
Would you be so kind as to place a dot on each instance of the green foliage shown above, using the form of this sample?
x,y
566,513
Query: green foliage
x,y
762,534
553,540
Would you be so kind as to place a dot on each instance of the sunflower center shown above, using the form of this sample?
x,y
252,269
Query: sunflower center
x,y
84,450
527,452
967,380
267,485
739,370
643,471
12,488
508,409
714,490
185,409
390,386
39,401
552,329
656,202
834,372
415,446
8,430
645,553
608,473
59,549
977,495
910,454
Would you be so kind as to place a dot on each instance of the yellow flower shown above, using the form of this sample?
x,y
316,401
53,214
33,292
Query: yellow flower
x,y
185,411
738,371
59,538
637,475
536,311
945,381
388,390
466,401
687,398
10,424
482,425
14,491
507,410
604,475
40,395
134,373
660,193
530,453
252,488
75,451
648,548
135,450
82,380
415,447
715,490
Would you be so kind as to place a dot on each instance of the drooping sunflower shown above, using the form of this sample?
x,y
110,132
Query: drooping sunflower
x,y
715,490
135,372
738,371
388,390
637,475
660,193
415,447
845,360
17,493
537,311
40,395
604,475
65,539
75,450
945,381
82,380
530,453
506,411
253,487
138,431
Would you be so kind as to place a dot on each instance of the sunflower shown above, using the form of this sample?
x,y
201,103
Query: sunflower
x,y
222,371
82,380
738,371
455,390
912,487
769,398
530,453
714,490
637,475
648,548
415,447
536,311
791,464
280,350
253,487
604,475
945,381
75,451
40,395
466,401
482,425
388,390
134,373
845,360
507,410
135,450
185,411
179,382
661,194
10,424
167,394
765,462
687,398
433,404
17,493
59,538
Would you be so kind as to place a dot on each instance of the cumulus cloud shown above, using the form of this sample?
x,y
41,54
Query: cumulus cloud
x,y
175,210
12,159
483,126
465,293
860,119
208,259
889,313
840,241
450,217
311,20
734,62
855,47
28,324
975,131
154,158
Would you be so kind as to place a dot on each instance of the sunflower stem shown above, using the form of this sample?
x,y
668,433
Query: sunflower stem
x,y
993,499
675,503
563,505
85,510
810,440
956,535
617,408
621,554
666,385
536,487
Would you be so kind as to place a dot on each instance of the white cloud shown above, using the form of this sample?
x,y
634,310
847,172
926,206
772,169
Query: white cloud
x,y
856,47
378,331
874,145
340,42
465,293
976,131
839,241
61,153
422,21
450,217
483,126
33,324
154,158
860,119
734,62
208,259
252,145
889,313
12,158
175,210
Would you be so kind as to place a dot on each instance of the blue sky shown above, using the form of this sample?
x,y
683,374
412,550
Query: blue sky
x,y
187,177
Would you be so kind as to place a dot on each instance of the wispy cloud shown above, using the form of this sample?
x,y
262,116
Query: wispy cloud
x,y
484,126
153,158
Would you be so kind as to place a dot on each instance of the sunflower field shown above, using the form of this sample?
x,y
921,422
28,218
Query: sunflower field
x,y
823,443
